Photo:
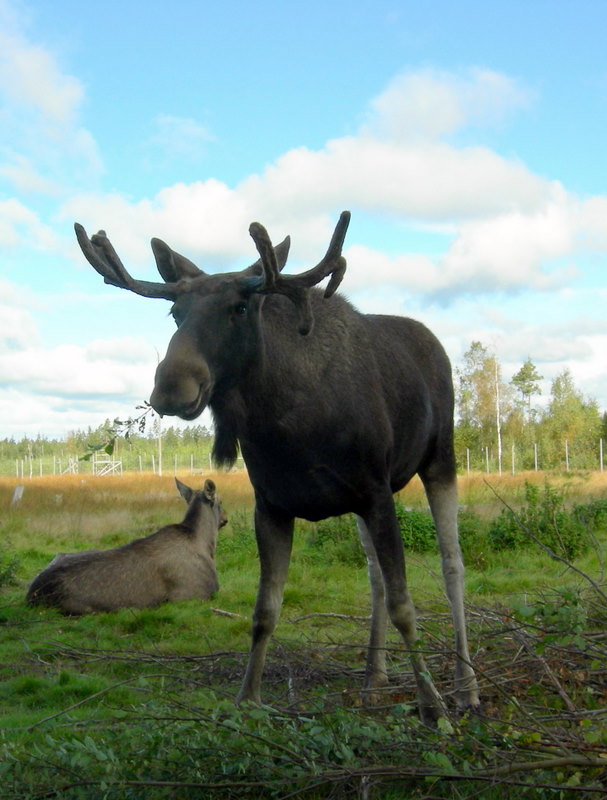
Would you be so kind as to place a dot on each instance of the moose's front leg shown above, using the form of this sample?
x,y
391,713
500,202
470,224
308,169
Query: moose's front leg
x,y
274,534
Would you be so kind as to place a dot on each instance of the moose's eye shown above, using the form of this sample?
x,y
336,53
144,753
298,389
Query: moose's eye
x,y
240,309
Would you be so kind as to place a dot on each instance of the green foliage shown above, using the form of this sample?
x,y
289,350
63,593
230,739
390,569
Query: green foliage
x,y
9,565
543,520
592,515
110,433
416,528
561,615
219,751
337,537
472,539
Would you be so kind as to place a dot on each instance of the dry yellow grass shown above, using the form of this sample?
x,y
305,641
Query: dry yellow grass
x,y
60,513
146,490
485,492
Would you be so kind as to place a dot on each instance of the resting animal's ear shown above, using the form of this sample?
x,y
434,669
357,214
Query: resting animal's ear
x,y
210,490
184,490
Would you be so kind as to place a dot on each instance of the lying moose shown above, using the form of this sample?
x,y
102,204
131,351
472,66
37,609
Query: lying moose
x,y
175,563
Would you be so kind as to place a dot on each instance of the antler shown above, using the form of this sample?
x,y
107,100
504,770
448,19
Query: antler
x,y
100,254
295,287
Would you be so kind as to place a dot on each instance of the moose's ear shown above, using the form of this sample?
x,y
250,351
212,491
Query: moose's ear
x,y
281,251
184,490
171,265
210,490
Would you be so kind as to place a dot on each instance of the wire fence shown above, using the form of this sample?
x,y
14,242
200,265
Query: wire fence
x,y
511,459
514,459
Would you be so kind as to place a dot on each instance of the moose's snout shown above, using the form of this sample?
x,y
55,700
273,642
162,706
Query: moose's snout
x,y
181,387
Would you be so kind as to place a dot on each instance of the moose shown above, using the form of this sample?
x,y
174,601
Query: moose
x,y
333,411
175,563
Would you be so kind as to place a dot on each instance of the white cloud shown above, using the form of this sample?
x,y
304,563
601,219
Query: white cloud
x,y
115,368
431,104
17,327
20,224
44,149
22,174
179,137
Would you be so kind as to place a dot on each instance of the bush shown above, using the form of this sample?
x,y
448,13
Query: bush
x,y
592,515
416,529
337,539
472,539
9,564
544,520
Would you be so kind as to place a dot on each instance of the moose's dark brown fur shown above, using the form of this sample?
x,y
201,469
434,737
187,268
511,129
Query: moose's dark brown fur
x,y
175,563
333,411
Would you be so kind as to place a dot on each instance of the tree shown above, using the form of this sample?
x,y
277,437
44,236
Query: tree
x,y
482,399
526,381
574,421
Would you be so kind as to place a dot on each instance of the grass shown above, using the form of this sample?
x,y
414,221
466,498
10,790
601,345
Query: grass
x,y
164,680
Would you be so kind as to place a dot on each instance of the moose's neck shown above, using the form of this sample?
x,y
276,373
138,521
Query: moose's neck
x,y
283,378
199,521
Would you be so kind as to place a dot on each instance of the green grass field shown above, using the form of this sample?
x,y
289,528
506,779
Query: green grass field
x,y
140,703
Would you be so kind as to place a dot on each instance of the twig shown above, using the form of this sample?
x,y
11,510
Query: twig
x,y
331,616
223,613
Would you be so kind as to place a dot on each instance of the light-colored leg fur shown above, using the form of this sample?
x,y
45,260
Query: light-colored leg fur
x,y
376,675
384,532
443,504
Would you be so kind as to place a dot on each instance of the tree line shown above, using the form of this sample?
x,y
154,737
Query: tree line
x,y
499,427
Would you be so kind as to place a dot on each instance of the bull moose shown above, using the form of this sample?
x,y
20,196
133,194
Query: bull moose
x,y
175,563
333,411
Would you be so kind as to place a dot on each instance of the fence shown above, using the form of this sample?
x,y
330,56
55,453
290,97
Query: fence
x,y
196,464
514,459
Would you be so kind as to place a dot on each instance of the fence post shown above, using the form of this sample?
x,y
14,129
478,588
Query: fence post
x,y
601,453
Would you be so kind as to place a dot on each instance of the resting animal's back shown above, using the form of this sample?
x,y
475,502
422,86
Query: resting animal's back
x,y
175,563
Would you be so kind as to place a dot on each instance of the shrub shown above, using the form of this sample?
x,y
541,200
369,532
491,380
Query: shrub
x,y
592,515
416,529
472,539
337,539
544,520
9,564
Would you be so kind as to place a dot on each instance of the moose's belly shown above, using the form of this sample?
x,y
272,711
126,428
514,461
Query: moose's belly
x,y
311,491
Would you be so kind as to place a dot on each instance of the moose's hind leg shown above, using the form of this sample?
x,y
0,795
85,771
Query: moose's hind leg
x,y
442,496
383,529
376,675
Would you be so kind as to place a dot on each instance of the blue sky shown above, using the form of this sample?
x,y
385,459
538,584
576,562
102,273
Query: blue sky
x,y
466,138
